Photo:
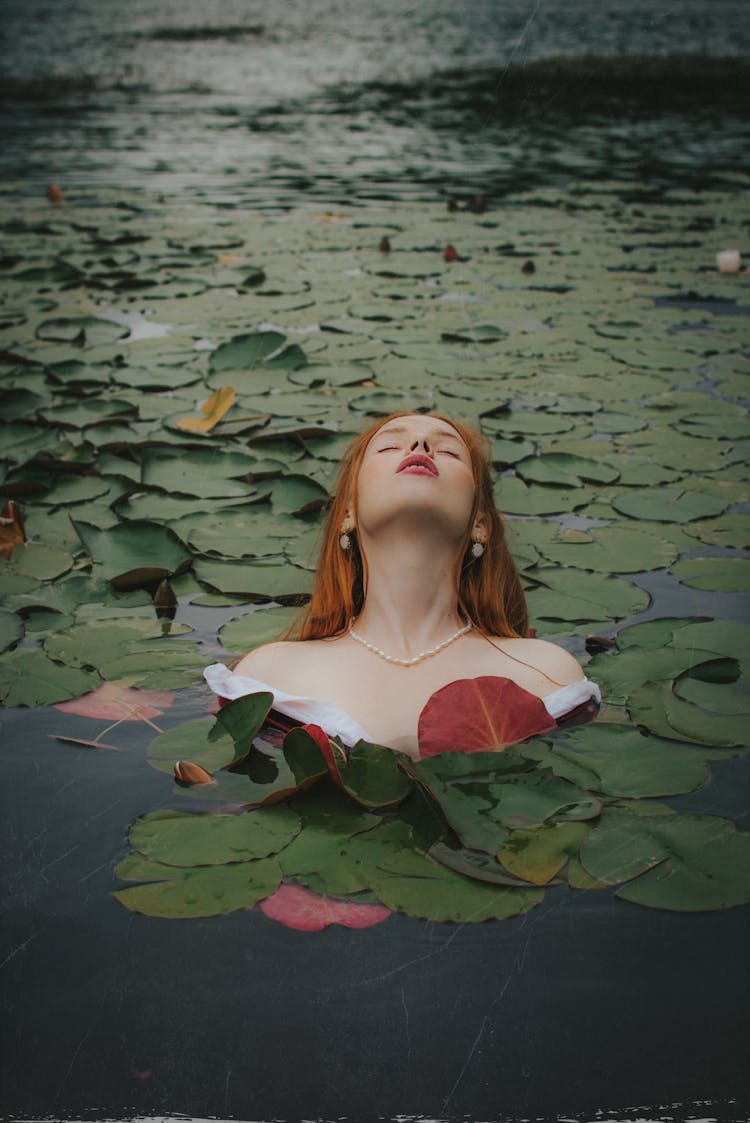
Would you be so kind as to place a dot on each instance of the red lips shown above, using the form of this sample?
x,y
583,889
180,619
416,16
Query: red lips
x,y
418,460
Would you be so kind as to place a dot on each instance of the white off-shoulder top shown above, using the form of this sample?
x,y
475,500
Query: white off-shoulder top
x,y
338,723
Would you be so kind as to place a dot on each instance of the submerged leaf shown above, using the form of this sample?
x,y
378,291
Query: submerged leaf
x,y
110,702
300,908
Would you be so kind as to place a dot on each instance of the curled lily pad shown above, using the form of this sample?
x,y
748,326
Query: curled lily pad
x,y
246,351
619,674
11,629
656,707
135,553
682,863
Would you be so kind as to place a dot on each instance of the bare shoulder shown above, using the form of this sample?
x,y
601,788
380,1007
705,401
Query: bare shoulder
x,y
550,659
271,661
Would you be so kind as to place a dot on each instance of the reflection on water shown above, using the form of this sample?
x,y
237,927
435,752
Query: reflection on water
x,y
374,100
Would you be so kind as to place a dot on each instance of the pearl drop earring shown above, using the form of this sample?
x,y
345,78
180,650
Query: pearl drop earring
x,y
345,542
477,549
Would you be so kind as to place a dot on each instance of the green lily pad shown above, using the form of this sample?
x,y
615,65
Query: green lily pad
x,y
135,553
619,674
203,474
261,582
716,574
176,838
732,530
191,742
419,886
29,678
668,504
136,652
38,561
528,800
11,629
619,761
246,351
566,594
611,549
81,330
256,628
565,470
75,489
372,777
682,863
657,708
202,891
515,497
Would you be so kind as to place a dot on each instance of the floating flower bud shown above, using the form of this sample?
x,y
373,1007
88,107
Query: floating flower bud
x,y
185,772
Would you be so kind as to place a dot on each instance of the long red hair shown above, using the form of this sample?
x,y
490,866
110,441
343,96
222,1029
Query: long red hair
x,y
490,593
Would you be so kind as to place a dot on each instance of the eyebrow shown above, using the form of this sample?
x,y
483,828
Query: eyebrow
x,y
402,429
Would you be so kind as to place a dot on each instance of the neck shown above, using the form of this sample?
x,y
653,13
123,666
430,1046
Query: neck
x,y
411,594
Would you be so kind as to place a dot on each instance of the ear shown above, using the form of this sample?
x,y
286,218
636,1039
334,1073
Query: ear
x,y
347,524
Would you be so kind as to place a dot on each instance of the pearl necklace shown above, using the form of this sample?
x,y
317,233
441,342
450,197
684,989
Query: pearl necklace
x,y
417,658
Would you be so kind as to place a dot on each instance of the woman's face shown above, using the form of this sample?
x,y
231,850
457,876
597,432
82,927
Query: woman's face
x,y
418,469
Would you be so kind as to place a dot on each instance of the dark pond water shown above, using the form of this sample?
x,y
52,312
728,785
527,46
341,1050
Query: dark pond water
x,y
277,104
587,1008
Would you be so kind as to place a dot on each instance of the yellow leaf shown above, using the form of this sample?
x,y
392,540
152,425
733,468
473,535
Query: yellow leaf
x,y
213,409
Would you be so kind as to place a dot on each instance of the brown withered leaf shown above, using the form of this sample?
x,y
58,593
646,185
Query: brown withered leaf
x,y
11,529
213,409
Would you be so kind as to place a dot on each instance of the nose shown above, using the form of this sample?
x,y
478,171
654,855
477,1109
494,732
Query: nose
x,y
424,443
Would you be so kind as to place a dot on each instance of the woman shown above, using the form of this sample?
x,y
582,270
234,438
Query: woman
x,y
415,589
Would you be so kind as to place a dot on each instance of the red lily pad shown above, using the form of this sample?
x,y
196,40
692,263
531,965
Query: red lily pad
x,y
110,702
472,715
299,908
